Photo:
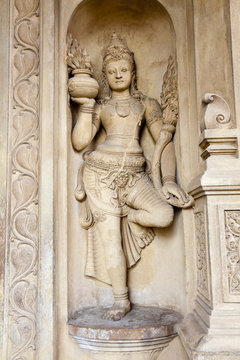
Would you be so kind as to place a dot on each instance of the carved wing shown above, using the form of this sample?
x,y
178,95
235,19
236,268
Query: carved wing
x,y
169,103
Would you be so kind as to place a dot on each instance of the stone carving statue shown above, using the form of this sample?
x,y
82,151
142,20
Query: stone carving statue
x,y
121,203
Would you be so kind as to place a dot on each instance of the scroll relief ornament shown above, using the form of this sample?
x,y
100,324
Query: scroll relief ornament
x,y
117,195
217,113
24,181
232,233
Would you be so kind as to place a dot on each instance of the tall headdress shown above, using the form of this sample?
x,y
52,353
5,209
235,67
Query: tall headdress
x,y
117,50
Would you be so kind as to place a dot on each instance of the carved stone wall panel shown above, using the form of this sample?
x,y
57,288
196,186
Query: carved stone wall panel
x,y
24,130
2,265
2,243
203,287
232,251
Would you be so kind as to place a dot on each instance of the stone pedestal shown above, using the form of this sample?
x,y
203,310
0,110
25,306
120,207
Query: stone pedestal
x,y
142,332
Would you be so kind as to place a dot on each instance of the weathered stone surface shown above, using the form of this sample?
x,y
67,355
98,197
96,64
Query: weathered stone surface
x,y
142,328
199,254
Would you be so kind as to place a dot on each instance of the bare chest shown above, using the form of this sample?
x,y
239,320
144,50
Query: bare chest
x,y
122,117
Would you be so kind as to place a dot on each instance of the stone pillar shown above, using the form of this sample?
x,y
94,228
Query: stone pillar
x,y
26,220
4,75
212,330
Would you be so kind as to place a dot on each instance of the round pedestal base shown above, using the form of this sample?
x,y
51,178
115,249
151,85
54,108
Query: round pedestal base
x,y
142,329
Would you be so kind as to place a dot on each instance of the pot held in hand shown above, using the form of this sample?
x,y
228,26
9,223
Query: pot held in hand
x,y
82,85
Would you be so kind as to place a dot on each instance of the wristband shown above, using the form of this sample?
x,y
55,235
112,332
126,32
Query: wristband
x,y
86,109
169,178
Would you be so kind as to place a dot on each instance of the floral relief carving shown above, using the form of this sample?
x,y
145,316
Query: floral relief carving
x,y
232,235
202,264
24,188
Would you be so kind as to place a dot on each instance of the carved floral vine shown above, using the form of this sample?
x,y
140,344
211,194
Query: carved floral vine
x,y
2,242
232,231
24,199
202,265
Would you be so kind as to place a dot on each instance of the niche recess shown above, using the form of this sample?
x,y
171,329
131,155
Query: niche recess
x,y
147,29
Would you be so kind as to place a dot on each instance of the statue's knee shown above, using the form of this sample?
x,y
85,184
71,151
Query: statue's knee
x,y
165,216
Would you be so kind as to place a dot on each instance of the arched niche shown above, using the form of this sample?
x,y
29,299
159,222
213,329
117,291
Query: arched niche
x,y
159,277
144,26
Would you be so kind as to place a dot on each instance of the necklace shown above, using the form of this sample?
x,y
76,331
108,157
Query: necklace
x,y
123,106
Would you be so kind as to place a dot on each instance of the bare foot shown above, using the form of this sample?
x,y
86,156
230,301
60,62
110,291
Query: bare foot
x,y
143,234
118,310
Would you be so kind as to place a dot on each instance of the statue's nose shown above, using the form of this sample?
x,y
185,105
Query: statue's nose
x,y
118,74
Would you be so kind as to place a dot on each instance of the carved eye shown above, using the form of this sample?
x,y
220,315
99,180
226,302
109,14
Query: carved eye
x,y
124,70
110,72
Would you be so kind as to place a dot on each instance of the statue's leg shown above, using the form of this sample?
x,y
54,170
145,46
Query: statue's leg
x,y
116,266
146,206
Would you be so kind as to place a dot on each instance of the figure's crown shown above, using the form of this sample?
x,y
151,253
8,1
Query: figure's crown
x,y
117,50
116,41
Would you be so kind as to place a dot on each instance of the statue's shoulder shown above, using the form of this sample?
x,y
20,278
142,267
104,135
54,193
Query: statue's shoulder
x,y
151,103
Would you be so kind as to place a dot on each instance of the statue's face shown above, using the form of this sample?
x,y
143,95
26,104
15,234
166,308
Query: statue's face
x,y
119,74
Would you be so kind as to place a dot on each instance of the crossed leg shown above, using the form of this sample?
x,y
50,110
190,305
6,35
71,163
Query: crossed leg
x,y
147,209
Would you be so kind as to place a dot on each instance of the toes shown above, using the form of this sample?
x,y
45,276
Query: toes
x,y
113,316
117,316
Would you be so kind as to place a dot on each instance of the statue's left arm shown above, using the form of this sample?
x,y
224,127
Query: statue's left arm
x,y
167,164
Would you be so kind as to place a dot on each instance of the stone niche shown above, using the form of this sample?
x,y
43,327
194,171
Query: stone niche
x,y
164,276
159,277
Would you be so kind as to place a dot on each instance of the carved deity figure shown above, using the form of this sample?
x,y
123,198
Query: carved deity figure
x,y
121,203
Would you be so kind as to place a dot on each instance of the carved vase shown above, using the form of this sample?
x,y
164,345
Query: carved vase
x,y
82,84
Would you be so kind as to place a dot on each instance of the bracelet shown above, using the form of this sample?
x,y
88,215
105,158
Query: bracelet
x,y
169,178
86,109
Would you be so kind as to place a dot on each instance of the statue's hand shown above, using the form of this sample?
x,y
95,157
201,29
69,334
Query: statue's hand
x,y
171,189
84,101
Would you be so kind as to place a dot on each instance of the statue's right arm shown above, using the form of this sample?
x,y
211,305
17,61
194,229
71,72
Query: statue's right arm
x,y
87,124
